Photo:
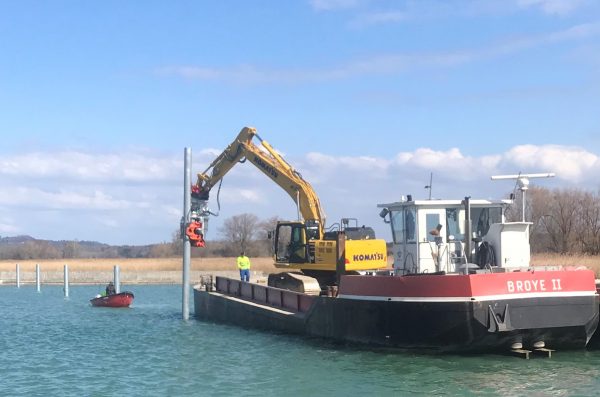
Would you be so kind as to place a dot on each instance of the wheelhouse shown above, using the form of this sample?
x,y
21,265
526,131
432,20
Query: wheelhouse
x,y
429,236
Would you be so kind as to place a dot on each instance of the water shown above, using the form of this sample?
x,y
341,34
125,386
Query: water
x,y
50,345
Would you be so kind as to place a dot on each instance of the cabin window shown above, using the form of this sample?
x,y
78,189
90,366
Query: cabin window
x,y
291,244
482,218
454,223
398,226
431,223
297,248
410,223
284,236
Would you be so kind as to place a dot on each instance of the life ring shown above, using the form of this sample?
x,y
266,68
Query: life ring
x,y
194,233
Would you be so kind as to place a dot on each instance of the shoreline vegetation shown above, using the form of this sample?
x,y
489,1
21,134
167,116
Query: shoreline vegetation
x,y
200,266
138,265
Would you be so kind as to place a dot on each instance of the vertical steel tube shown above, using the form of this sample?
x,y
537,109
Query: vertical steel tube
x,y
66,281
37,277
523,205
187,185
18,275
117,277
340,267
468,235
298,205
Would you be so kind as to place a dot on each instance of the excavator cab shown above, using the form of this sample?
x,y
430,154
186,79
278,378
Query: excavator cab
x,y
291,243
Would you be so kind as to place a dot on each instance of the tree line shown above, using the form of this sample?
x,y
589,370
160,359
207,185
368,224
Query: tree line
x,y
564,221
244,232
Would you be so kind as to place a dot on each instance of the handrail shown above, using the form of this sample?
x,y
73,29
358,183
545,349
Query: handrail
x,y
262,294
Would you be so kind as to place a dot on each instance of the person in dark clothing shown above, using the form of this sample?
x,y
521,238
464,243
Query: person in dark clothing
x,y
110,289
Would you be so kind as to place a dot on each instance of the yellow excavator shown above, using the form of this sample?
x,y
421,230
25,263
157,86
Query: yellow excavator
x,y
304,244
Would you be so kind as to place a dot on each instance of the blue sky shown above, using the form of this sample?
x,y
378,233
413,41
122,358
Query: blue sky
x,y
365,98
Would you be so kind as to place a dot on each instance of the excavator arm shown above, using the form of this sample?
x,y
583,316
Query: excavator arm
x,y
302,244
267,160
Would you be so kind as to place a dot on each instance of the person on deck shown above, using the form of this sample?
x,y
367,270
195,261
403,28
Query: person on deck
x,y
110,289
243,263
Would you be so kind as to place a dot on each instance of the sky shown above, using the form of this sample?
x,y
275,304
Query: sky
x,y
365,98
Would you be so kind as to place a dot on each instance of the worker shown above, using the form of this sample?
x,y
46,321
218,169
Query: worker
x,y
110,289
243,263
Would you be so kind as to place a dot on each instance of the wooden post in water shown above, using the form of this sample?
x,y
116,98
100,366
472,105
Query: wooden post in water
x,y
187,208
66,287
37,278
117,277
18,276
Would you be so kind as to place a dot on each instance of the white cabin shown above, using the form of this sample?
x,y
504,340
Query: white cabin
x,y
429,236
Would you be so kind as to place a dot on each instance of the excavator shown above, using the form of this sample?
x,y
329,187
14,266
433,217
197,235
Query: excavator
x,y
304,245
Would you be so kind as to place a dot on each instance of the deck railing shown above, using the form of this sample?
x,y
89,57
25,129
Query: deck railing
x,y
262,294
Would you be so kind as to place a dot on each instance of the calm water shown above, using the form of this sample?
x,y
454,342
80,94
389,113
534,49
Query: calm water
x,y
50,345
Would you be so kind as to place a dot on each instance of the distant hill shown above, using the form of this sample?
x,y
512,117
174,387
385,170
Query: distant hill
x,y
15,239
27,247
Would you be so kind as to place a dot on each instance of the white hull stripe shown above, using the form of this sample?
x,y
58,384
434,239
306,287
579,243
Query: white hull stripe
x,y
531,295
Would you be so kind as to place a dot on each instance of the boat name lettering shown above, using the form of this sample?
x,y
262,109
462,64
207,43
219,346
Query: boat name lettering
x,y
533,285
265,167
367,257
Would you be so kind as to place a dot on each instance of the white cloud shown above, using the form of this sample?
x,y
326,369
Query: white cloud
x,y
554,7
569,163
121,211
8,228
383,64
63,199
363,163
236,195
108,221
378,18
125,167
329,5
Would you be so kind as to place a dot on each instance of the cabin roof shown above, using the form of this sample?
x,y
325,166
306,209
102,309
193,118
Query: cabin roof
x,y
445,203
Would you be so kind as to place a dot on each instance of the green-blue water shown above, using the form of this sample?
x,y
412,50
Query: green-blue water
x,y
50,345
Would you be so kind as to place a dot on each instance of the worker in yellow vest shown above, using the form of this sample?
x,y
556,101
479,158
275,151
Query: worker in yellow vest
x,y
243,263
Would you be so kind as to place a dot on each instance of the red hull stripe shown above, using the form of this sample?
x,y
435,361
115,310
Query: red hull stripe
x,y
470,299
478,286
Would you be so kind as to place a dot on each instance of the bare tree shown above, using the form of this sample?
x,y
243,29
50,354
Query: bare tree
x,y
264,241
240,231
560,221
70,250
588,225
267,226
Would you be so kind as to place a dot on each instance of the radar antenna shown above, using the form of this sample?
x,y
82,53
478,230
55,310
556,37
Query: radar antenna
x,y
523,183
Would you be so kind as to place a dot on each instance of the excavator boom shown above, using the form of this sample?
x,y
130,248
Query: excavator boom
x,y
303,244
271,164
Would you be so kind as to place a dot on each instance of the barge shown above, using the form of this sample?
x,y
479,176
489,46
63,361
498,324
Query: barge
x,y
436,297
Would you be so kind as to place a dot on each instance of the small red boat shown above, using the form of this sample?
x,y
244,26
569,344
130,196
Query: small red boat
x,y
122,299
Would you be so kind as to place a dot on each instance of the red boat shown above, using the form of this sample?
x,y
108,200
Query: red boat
x,y
122,299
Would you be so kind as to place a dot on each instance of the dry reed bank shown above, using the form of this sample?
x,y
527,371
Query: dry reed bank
x,y
136,265
263,264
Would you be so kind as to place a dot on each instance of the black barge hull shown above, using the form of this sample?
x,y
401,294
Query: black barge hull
x,y
493,325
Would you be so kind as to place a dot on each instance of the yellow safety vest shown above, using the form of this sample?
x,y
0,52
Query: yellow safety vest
x,y
243,262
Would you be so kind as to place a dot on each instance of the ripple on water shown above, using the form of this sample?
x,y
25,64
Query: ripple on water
x,y
55,346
